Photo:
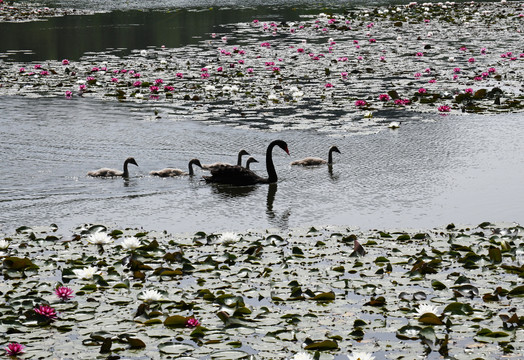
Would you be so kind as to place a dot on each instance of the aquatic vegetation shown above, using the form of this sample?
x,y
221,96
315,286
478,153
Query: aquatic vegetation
x,y
64,293
14,349
454,291
320,55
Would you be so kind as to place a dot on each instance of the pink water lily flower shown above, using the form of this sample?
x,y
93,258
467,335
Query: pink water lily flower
x,y
468,91
384,97
192,322
68,94
21,70
422,91
137,83
168,88
153,89
360,103
65,62
47,311
471,60
64,293
329,85
115,80
14,349
159,81
444,108
179,75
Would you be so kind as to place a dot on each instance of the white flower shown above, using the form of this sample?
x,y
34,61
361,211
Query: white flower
x,y
131,243
361,356
411,333
228,238
4,244
425,308
99,238
143,52
86,273
151,295
302,356
368,115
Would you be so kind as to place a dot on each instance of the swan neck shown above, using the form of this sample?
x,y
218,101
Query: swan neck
x,y
270,167
330,156
126,172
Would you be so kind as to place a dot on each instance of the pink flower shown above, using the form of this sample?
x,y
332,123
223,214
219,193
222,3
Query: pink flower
x,y
159,81
426,21
417,75
115,80
44,72
94,69
422,91
82,87
255,21
370,25
249,70
38,66
360,103
456,70
432,81
444,108
372,41
419,54
65,62
329,85
300,50
179,75
471,60
463,48
382,58
153,89
275,69
204,69
68,94
269,63
468,91
427,70
265,44
477,78
204,75
344,75
136,75
168,88
90,78
360,58
137,83
492,70
21,70
241,61
192,322
47,311
64,293
355,41
455,77
483,51
383,97
14,349
219,69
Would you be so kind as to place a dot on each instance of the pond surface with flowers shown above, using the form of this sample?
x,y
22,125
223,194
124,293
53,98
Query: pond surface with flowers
x,y
86,85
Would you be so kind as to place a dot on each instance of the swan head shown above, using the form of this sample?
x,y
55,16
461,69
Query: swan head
x,y
243,152
251,160
195,162
131,160
281,144
334,149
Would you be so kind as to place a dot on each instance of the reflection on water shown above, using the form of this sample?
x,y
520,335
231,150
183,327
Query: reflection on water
x,y
428,173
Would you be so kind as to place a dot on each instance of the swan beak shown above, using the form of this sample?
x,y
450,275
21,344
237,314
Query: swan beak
x,y
287,151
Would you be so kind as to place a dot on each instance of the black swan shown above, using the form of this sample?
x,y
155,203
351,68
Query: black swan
x,y
170,172
249,161
239,161
311,161
238,175
105,172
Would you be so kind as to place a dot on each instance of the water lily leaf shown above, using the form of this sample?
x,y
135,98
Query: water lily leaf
x,y
327,296
177,321
174,348
517,292
16,263
492,334
458,308
136,343
495,254
437,285
106,346
322,345
430,319
380,301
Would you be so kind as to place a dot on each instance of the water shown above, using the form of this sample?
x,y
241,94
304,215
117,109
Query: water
x,y
431,171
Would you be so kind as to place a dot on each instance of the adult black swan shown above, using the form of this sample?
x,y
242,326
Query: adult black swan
x,y
170,172
239,161
238,175
105,172
311,161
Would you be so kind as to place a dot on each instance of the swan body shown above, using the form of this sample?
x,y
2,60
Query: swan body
x,y
170,172
312,161
249,161
217,164
106,172
238,175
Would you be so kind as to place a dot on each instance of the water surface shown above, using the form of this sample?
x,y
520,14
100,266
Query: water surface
x,y
432,171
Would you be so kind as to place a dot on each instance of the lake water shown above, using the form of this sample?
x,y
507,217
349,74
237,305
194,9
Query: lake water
x,y
432,171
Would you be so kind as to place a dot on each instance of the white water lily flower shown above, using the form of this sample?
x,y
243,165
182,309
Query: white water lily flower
x,y
361,356
425,308
4,244
86,273
302,356
411,333
228,238
99,238
151,295
131,243
143,52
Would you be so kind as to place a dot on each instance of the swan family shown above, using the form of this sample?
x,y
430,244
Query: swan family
x,y
224,173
